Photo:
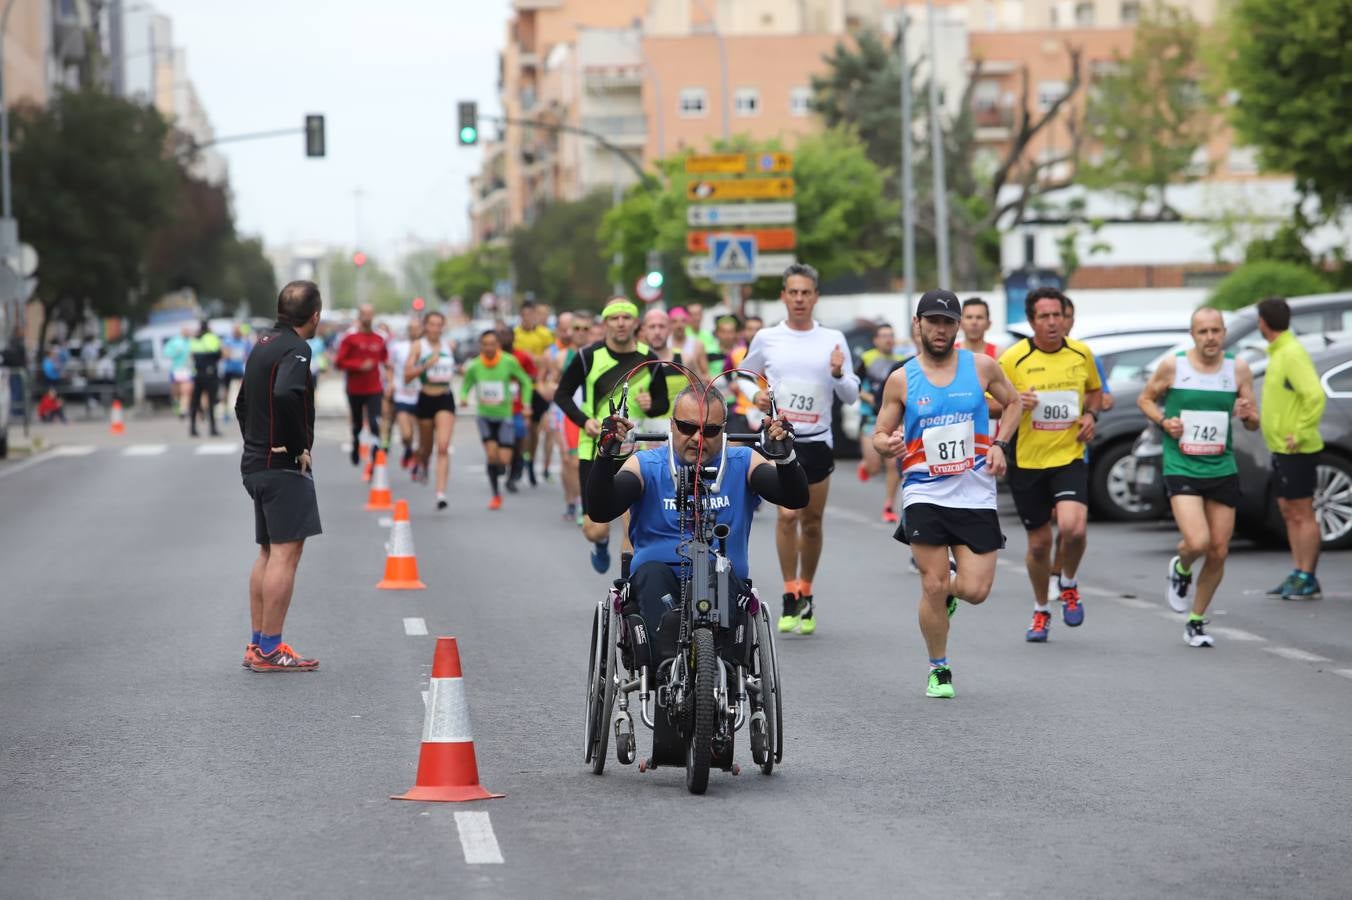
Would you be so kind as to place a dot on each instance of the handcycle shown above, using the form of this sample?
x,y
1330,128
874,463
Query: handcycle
x,y
718,674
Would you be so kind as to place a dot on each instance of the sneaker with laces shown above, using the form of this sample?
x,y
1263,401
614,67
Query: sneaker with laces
x,y
1287,584
1303,587
790,620
1072,610
890,515
442,502
863,472
250,652
807,624
1037,632
283,659
496,502
940,683
600,558
1179,592
1194,633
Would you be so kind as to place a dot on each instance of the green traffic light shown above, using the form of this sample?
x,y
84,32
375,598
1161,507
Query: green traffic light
x,y
468,135
654,279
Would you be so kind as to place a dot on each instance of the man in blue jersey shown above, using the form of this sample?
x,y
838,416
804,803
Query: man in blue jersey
x,y
933,415
643,485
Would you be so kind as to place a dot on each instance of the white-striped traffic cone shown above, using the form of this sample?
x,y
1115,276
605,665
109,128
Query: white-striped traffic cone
x,y
379,497
401,561
447,768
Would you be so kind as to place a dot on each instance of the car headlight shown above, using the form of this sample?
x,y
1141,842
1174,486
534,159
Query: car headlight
x,y
1148,444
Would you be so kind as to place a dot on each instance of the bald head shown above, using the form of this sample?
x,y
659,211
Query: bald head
x,y
656,330
1207,314
366,314
1208,333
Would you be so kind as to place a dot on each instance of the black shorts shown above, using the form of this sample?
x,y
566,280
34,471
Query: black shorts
x,y
431,404
817,460
1295,474
1224,490
538,407
285,506
943,526
368,404
1037,491
584,467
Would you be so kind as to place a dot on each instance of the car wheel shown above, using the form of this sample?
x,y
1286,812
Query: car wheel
x,y
1333,502
1112,486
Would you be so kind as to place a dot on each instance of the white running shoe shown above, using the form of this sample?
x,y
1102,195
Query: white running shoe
x,y
1195,634
1179,591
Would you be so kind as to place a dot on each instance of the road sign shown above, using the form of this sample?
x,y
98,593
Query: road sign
x,y
741,214
732,258
766,239
646,291
740,189
767,265
739,163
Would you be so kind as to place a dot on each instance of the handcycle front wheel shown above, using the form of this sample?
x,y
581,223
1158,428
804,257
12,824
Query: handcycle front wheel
x,y
699,751
772,702
600,685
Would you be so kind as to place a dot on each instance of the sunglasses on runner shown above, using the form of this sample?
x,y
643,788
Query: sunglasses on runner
x,y
690,429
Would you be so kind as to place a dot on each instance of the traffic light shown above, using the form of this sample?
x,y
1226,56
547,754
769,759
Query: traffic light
x,y
359,259
469,123
418,304
654,277
314,136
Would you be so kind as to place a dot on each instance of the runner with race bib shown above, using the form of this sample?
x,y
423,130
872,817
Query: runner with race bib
x,y
490,375
432,363
1200,388
950,464
806,366
1060,393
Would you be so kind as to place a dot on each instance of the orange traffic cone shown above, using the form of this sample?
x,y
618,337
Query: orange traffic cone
x,y
447,769
379,497
116,426
401,563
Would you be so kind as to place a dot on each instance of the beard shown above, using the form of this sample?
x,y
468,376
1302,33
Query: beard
x,y
943,354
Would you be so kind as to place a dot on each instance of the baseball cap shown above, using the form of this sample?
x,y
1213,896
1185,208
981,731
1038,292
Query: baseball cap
x,y
939,302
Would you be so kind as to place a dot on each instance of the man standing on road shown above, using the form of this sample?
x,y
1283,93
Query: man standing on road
x,y
206,356
976,321
951,463
276,414
598,369
805,365
1200,389
1059,392
1293,405
361,354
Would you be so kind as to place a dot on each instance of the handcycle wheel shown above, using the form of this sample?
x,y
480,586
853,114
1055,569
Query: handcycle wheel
x,y
765,640
606,693
600,686
699,750
766,755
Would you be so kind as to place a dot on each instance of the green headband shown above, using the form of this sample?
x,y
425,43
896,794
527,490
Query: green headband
x,y
620,308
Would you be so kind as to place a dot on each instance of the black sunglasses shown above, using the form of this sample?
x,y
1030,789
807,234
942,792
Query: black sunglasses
x,y
690,429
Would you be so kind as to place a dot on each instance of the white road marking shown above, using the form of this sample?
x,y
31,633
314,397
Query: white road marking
x,y
385,522
477,839
15,468
1097,591
74,450
1134,602
1346,673
146,450
415,627
217,449
1295,654
1236,634
1168,614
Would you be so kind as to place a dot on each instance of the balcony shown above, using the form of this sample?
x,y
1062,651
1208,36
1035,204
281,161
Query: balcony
x,y
993,123
614,78
623,131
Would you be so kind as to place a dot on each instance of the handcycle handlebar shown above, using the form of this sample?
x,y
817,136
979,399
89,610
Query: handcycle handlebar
x,y
643,437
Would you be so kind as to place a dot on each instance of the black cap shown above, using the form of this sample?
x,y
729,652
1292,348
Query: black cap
x,y
939,303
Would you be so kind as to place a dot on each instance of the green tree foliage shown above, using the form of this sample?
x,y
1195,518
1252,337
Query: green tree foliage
x,y
379,287
1148,115
247,277
1290,65
92,183
842,213
558,257
471,274
1252,282
1285,245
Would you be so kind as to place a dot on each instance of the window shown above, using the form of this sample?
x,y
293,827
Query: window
x,y
1129,365
694,103
1338,381
1084,15
800,101
1048,92
746,102
1131,12
1308,323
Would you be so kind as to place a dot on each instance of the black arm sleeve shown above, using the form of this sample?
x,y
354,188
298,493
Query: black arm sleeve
x,y
569,382
289,393
782,485
610,492
658,392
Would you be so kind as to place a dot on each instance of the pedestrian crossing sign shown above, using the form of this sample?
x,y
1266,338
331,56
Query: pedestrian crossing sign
x,y
732,258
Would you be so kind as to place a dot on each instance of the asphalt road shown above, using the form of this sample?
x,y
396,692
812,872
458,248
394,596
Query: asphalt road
x,y
137,759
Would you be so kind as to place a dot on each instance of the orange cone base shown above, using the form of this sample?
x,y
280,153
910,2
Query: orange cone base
x,y
380,505
391,585
447,794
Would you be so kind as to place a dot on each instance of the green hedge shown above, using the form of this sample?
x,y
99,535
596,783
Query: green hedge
x,y
1253,281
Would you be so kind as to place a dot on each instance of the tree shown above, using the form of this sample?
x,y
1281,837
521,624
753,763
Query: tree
x,y
378,286
558,257
471,274
1288,67
93,182
842,212
247,277
1252,282
1148,114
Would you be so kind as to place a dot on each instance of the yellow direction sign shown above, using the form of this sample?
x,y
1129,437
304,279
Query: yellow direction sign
x,y
740,189
739,164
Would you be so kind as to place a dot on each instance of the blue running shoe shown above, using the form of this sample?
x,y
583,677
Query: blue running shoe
x,y
600,558
1037,632
1072,611
1303,587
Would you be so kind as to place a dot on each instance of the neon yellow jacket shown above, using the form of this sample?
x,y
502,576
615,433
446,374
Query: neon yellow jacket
x,y
1293,398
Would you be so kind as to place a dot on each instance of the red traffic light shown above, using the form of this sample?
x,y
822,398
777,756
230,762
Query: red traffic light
x,y
418,304
359,259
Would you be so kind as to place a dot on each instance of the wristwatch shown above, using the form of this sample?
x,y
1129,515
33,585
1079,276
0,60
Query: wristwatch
x,y
1003,445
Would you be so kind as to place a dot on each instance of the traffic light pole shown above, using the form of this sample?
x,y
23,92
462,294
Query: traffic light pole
x,y
646,179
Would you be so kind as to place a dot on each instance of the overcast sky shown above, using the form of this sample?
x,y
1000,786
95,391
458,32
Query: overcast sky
x,y
387,76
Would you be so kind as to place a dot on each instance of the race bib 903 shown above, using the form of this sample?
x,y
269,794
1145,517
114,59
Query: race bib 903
x,y
950,449
1056,410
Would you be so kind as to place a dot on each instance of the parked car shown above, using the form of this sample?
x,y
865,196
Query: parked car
x,y
1317,319
1257,515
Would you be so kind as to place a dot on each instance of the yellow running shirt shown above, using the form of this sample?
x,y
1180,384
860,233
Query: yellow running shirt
x,y
535,342
1047,432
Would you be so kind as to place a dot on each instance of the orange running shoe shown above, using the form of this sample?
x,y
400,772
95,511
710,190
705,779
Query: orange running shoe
x,y
283,659
890,515
496,502
863,472
250,651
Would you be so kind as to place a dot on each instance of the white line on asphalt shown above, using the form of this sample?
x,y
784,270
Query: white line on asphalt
x,y
477,838
14,468
74,450
1134,602
1236,634
145,450
1168,614
219,449
1097,591
415,627
1346,673
1297,655
385,522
